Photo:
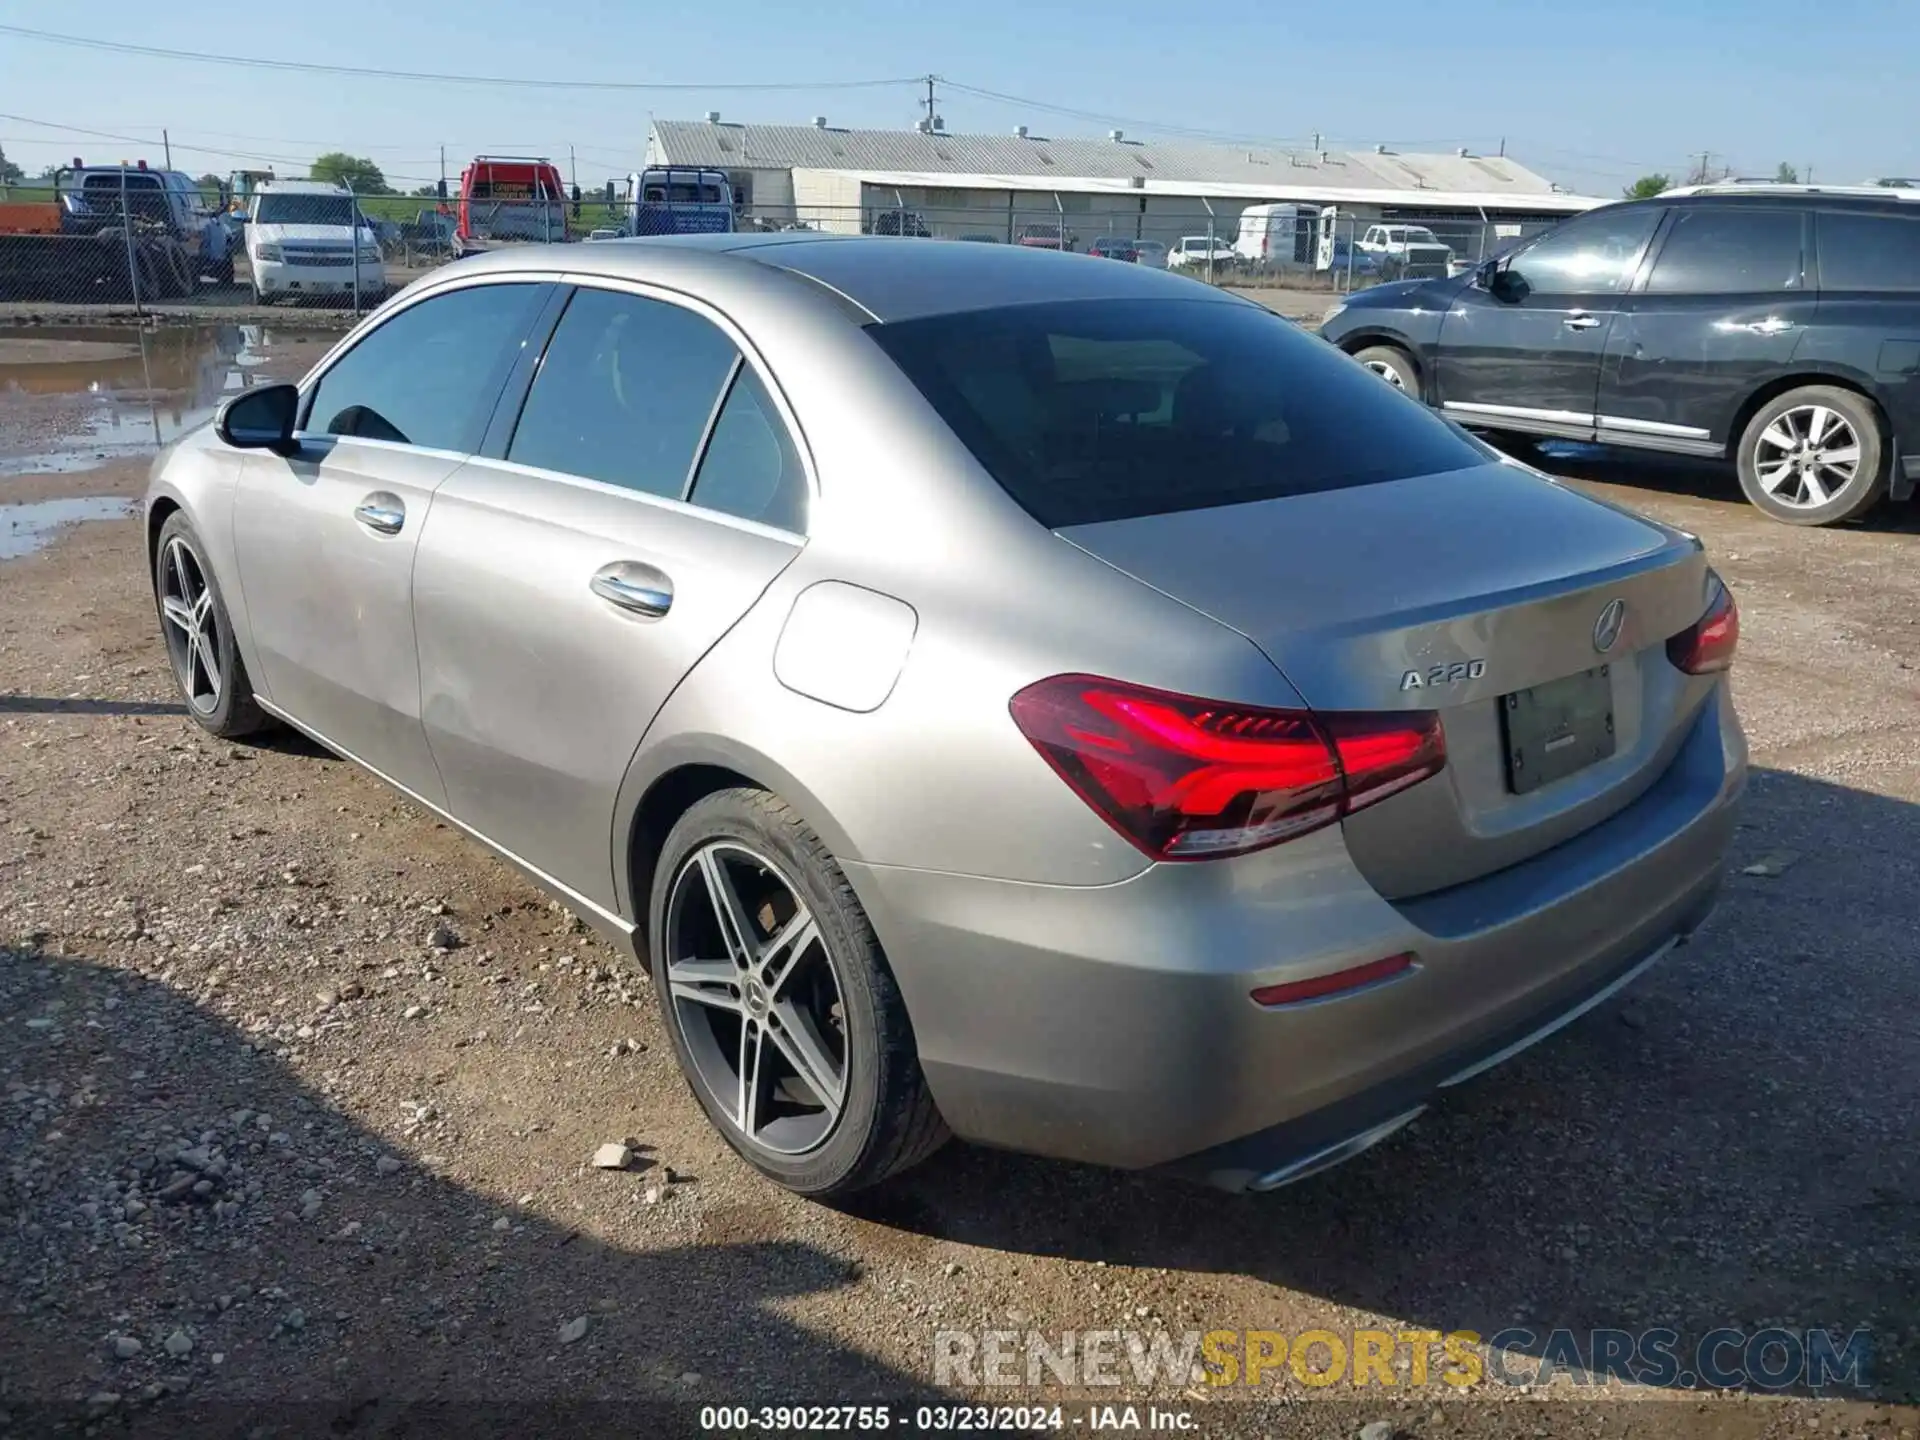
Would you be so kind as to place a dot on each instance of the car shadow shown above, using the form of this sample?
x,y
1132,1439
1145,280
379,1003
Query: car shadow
x,y
1735,1142
84,705
166,1178
1682,476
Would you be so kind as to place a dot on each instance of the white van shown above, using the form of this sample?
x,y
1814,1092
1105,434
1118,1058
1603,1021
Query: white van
x,y
301,241
1278,234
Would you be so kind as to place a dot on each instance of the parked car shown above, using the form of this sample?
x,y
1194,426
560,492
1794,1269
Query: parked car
x,y
1151,253
1041,236
1109,247
1406,252
1348,260
900,222
1199,252
307,239
1750,324
1308,829
429,233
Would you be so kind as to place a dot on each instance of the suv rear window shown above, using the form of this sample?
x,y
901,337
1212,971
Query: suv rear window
x,y
1094,410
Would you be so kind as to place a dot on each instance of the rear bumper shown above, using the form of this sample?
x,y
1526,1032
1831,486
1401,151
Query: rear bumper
x,y
1114,1024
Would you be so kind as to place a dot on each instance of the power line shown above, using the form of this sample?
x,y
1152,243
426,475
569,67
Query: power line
x,y
146,140
1100,117
87,42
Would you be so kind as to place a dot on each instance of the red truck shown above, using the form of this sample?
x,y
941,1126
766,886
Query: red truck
x,y
511,199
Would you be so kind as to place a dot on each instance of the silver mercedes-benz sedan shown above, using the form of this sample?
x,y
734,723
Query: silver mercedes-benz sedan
x,y
995,692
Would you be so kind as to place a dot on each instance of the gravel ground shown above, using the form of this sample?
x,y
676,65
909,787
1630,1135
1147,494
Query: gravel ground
x,y
302,1093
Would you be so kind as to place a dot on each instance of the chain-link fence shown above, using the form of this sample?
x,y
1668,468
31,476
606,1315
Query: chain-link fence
x,y
123,236
129,237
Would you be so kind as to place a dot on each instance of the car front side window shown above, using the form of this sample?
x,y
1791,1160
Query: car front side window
x,y
430,375
625,393
1594,255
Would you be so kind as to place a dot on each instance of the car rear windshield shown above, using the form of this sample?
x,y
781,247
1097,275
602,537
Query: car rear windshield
x,y
1094,410
304,210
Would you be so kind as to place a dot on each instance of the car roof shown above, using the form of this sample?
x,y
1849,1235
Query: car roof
x,y
1773,197
889,278
300,187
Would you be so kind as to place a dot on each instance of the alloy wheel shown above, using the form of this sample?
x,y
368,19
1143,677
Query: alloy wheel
x,y
1807,456
756,998
1386,372
192,626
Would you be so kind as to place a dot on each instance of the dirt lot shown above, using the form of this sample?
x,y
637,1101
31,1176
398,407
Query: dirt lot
x,y
301,1091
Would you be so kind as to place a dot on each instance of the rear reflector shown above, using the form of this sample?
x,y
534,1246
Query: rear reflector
x,y
1190,779
1706,647
1321,986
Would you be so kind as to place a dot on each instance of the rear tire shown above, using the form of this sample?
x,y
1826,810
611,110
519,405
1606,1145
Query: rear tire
x,y
1815,456
1393,365
835,998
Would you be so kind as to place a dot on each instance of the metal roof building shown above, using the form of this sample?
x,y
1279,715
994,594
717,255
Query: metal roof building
x,y
773,157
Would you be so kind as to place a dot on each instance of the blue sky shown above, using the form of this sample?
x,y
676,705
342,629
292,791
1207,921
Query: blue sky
x,y
1590,94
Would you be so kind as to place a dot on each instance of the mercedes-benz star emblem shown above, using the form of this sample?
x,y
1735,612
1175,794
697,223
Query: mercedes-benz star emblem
x,y
1606,630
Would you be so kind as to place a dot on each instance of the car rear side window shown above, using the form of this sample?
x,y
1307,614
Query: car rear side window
x,y
1864,251
431,375
625,393
750,468
1095,410
1730,250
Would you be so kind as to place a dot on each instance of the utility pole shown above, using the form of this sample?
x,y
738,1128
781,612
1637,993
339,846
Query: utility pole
x,y
167,145
930,100
1701,174
443,172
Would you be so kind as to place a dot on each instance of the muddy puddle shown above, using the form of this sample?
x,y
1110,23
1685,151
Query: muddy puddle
x,y
72,399
26,528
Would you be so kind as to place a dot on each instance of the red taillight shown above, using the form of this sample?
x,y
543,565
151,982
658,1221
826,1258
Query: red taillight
x,y
1188,779
1320,986
1706,646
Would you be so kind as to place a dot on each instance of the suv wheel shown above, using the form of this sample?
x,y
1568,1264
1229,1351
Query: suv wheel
x,y
1814,456
1393,365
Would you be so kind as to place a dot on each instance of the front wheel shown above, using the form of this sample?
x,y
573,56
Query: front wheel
x,y
1815,456
785,1017
1393,365
200,646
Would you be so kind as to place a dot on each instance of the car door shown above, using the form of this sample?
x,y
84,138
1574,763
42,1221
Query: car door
x,y
1868,279
1721,312
1521,349
326,536
647,493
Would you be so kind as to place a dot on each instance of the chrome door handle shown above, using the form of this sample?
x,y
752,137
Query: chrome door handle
x,y
1772,325
632,586
381,512
1580,322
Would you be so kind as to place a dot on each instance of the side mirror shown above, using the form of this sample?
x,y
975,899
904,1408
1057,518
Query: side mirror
x,y
260,419
1503,284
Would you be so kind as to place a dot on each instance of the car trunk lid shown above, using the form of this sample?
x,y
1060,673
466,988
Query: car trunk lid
x,y
1478,594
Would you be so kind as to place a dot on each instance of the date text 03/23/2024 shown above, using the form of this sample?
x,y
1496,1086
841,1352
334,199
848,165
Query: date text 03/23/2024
x,y
977,1419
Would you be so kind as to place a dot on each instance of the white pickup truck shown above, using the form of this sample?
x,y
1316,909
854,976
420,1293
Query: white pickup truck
x,y
1408,252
